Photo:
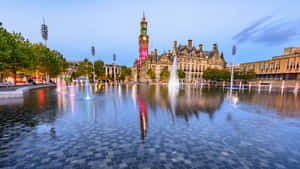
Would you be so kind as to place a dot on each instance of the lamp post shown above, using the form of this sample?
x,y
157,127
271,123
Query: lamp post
x,y
190,64
93,54
44,31
232,68
114,60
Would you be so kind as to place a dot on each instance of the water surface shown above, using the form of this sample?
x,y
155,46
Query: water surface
x,y
136,126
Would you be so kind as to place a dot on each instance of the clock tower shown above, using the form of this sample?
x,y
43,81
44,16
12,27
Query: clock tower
x,y
143,40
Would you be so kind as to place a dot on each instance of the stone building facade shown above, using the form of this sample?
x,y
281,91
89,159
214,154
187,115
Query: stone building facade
x,y
193,61
285,67
110,69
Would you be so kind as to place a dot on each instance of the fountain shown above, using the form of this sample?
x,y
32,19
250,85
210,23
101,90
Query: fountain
x,y
173,85
58,85
63,86
72,93
87,90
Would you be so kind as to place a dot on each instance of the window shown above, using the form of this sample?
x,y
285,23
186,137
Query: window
x,y
287,66
291,65
271,66
298,64
261,67
267,66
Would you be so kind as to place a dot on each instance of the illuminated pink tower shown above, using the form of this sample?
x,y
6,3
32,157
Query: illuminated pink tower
x,y
143,40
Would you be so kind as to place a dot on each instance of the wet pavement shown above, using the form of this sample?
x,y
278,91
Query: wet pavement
x,y
134,126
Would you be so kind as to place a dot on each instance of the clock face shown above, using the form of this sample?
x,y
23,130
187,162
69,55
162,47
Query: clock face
x,y
144,38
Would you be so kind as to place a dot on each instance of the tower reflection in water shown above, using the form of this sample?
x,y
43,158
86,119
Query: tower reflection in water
x,y
143,116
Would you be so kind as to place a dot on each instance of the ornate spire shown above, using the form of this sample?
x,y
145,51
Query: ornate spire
x,y
222,56
144,19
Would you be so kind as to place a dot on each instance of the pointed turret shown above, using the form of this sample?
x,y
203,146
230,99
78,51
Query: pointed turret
x,y
174,48
222,56
215,48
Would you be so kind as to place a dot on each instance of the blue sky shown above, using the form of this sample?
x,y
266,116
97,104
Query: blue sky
x,y
260,28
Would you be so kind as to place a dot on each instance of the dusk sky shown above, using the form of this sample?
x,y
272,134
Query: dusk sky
x,y
260,28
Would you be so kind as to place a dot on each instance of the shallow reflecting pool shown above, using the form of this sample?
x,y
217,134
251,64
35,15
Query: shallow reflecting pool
x,y
136,126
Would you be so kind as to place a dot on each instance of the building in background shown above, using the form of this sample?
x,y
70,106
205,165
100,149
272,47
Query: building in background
x,y
143,40
73,65
285,67
110,69
189,59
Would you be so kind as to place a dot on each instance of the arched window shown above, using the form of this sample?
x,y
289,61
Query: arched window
x,y
291,65
298,64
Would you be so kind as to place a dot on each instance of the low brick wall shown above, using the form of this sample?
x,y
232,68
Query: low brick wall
x,y
20,91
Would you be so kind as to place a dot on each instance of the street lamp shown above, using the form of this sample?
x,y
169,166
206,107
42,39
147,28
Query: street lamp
x,y
190,63
93,54
114,60
232,68
44,31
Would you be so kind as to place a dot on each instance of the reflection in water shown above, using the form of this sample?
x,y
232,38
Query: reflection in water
x,y
59,102
284,105
191,101
270,140
72,92
72,104
143,116
41,99
133,94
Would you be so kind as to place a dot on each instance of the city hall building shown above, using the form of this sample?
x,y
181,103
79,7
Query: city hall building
x,y
285,67
192,60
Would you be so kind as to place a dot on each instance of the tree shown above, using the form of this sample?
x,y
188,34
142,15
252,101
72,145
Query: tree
x,y
12,55
151,73
244,75
99,68
180,74
124,72
18,54
251,75
164,74
85,68
216,74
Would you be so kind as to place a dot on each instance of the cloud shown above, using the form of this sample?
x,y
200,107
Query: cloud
x,y
270,31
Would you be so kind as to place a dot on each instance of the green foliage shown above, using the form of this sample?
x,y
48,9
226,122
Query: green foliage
x,y
216,74
99,68
244,75
180,74
18,54
151,73
220,75
164,74
124,72
85,68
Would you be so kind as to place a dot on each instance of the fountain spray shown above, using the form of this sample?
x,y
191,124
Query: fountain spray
x,y
58,85
173,85
72,93
87,90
